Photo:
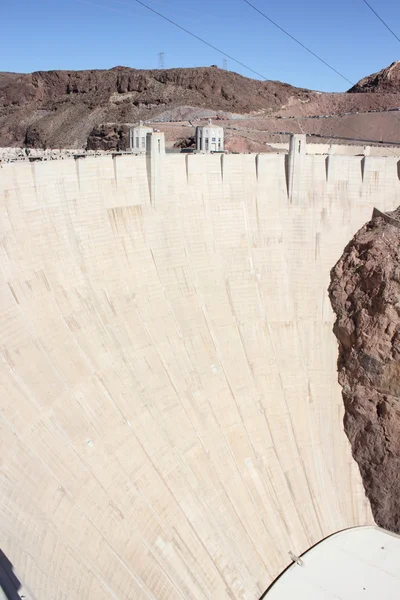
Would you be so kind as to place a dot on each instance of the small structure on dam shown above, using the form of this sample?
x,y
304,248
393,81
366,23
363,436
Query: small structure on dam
x,y
210,138
357,563
137,137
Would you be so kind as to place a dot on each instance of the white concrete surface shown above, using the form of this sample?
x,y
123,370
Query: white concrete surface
x,y
356,564
171,422
342,149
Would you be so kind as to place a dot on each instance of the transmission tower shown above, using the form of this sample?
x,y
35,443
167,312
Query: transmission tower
x,y
161,60
225,64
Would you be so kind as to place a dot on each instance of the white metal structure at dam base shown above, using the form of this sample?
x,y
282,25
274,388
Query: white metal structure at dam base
x,y
356,564
171,421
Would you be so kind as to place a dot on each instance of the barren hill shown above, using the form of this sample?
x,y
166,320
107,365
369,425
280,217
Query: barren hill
x,y
59,109
386,80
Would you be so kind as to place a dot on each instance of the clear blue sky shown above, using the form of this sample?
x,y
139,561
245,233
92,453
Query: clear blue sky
x,y
87,34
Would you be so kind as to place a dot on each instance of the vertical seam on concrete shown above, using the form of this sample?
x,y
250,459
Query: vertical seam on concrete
x,y
327,167
33,171
362,165
114,159
77,172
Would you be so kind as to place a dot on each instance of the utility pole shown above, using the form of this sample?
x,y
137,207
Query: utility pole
x,y
161,60
225,64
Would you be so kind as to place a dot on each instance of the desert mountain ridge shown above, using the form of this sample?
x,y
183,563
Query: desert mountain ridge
x,y
386,80
61,108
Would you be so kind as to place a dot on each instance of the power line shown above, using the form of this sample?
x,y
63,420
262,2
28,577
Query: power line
x,y
311,52
381,20
199,38
89,2
298,42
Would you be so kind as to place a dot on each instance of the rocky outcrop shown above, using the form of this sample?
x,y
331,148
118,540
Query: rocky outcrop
x,y
109,137
186,143
365,295
386,80
34,138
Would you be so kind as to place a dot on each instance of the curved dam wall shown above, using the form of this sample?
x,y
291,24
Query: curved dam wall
x,y
171,422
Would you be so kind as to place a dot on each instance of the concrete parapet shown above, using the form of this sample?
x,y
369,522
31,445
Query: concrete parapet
x,y
343,149
129,180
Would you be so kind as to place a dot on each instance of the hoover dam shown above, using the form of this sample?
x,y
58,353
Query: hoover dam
x,y
171,421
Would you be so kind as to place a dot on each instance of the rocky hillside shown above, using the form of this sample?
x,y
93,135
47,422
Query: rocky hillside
x,y
365,295
60,108
386,80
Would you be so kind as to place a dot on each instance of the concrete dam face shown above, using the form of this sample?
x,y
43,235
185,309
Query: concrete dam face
x,y
171,421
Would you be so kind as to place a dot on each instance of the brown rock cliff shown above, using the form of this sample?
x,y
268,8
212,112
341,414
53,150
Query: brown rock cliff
x,y
365,295
386,80
64,106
